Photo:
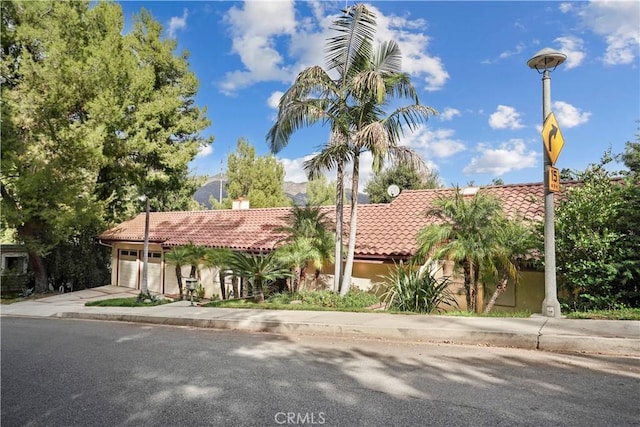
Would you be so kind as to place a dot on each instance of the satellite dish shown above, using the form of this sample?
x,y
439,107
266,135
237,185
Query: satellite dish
x,y
393,190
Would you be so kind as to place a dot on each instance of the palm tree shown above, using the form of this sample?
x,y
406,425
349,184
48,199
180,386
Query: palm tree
x,y
216,258
465,231
296,254
352,105
308,240
179,256
196,256
258,270
515,239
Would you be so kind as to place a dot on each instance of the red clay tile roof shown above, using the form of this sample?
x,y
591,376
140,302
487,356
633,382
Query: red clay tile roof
x,y
384,230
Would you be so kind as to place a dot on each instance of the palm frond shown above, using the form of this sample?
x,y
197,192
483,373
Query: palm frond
x,y
387,58
355,31
327,159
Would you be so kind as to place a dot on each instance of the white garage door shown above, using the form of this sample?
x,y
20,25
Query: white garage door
x,y
154,276
128,268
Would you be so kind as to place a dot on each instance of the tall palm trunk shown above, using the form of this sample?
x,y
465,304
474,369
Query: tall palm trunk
x,y
234,286
221,279
353,223
179,278
337,277
258,294
500,289
468,279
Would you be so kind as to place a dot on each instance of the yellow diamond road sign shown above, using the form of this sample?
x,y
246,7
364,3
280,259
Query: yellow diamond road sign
x,y
552,138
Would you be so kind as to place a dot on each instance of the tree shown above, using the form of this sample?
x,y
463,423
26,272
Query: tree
x,y
296,254
308,240
320,192
514,241
258,179
217,258
179,256
258,270
91,119
405,176
597,240
463,231
352,104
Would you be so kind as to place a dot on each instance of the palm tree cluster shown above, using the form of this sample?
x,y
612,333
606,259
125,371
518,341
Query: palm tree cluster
x,y
476,235
350,96
307,241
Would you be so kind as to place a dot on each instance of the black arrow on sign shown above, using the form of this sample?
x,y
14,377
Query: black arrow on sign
x,y
552,134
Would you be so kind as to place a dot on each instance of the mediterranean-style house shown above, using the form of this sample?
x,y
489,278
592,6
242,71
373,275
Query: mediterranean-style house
x,y
386,233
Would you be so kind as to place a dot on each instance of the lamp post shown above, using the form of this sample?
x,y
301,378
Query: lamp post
x,y
144,287
544,62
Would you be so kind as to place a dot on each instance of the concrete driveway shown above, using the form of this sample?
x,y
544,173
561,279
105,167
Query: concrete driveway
x,y
50,305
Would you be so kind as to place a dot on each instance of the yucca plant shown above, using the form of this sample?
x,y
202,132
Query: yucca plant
x,y
411,288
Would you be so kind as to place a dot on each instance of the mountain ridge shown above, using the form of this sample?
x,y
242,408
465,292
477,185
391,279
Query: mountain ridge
x,y
296,191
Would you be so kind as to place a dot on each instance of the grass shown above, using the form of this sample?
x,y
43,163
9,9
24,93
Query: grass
x,y
280,306
125,302
10,299
620,314
462,313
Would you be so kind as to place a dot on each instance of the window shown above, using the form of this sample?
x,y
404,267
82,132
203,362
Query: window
x,y
15,263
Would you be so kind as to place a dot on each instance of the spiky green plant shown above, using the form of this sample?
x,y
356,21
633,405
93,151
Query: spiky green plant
x,y
410,288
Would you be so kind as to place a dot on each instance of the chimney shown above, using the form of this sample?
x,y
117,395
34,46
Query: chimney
x,y
240,203
469,191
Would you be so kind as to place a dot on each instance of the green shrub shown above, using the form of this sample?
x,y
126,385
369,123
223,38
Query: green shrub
x,y
410,288
356,298
281,298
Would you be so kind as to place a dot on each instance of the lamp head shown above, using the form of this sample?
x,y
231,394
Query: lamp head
x,y
546,59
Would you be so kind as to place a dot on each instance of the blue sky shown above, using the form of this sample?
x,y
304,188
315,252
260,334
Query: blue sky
x,y
467,60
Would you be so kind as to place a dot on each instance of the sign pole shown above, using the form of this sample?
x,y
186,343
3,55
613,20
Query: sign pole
x,y
550,305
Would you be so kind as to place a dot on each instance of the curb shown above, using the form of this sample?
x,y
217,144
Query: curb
x,y
440,336
582,344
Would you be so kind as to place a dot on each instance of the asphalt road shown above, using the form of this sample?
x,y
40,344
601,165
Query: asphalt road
x,y
82,373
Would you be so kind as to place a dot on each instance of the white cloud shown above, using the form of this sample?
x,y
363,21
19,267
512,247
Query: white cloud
x,y
430,143
569,116
509,156
507,53
294,170
413,43
254,29
573,47
505,117
204,151
261,29
274,99
565,7
448,114
619,23
178,23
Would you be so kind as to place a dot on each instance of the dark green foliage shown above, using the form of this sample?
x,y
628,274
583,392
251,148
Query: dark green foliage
x,y
598,241
415,289
127,302
464,231
405,176
354,299
81,262
259,179
260,270
92,118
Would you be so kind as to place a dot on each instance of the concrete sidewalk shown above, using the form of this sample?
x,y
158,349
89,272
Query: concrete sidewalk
x,y
537,332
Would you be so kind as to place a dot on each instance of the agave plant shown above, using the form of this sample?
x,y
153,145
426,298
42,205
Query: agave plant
x,y
416,289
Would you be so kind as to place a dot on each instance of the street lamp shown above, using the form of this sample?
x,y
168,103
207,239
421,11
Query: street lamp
x,y
544,62
144,287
